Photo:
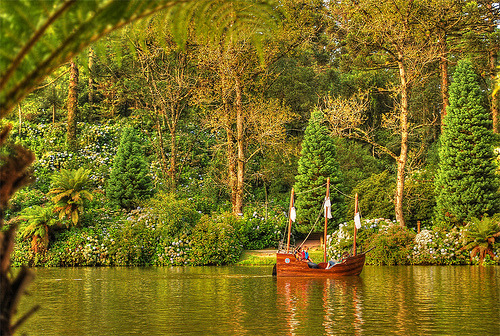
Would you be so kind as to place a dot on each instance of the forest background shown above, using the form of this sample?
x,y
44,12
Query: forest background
x,y
148,153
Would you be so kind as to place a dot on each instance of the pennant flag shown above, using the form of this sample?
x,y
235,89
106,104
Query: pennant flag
x,y
328,208
293,215
357,220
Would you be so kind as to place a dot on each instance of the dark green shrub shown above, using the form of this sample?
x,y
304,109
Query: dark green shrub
x,y
215,241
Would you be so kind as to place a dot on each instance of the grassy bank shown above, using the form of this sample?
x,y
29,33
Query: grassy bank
x,y
268,256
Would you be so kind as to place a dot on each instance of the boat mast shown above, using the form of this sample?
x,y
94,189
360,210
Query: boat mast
x,y
355,228
289,222
326,217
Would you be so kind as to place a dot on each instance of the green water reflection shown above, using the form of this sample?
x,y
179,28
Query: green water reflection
x,y
248,301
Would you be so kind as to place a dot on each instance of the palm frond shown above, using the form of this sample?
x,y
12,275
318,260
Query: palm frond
x,y
60,196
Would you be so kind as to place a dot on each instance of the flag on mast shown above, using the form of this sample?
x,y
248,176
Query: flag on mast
x,y
357,220
293,215
328,208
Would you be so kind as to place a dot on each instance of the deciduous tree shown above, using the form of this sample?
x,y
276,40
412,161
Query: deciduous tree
x,y
392,35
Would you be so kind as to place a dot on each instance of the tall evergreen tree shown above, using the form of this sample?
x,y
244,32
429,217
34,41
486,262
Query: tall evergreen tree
x,y
129,181
466,185
317,162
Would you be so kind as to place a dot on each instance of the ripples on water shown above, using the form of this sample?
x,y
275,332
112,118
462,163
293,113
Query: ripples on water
x,y
454,300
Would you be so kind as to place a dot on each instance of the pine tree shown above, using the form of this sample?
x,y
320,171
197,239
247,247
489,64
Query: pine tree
x,y
466,185
317,162
129,181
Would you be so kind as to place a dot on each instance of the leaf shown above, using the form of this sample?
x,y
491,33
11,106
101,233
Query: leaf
x,y
74,217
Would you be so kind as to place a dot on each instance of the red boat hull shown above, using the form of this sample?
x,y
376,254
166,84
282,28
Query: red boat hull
x,y
288,265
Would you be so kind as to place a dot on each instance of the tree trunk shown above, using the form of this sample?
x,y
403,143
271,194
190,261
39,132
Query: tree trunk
x,y
492,59
173,155
238,206
160,145
231,166
494,98
404,143
20,116
72,104
91,78
443,65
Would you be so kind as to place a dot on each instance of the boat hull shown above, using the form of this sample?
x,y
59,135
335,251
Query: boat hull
x,y
288,265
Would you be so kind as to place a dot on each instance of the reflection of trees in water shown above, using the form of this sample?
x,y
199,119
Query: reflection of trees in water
x,y
426,299
324,306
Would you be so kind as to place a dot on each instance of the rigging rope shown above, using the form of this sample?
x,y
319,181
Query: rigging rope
x,y
340,192
310,190
317,219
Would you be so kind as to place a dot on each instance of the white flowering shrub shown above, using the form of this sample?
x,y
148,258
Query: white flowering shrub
x,y
175,252
258,232
97,145
80,247
438,247
341,240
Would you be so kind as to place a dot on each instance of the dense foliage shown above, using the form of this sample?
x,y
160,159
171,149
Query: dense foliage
x,y
170,138
390,245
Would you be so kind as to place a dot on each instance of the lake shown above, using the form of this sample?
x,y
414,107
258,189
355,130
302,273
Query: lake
x,y
247,300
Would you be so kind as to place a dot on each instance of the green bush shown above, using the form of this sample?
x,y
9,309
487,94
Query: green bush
x,y
376,196
215,241
171,215
392,245
79,247
25,198
22,254
175,251
135,243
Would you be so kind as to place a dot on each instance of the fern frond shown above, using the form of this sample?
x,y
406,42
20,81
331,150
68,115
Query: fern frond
x,y
42,35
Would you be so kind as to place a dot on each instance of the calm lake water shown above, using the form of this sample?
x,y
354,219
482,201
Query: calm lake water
x,y
406,300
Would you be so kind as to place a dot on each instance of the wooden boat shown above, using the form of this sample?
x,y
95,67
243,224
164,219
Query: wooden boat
x,y
287,264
